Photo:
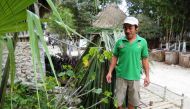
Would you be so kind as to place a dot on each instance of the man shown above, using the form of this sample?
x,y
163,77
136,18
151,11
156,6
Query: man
x,y
128,54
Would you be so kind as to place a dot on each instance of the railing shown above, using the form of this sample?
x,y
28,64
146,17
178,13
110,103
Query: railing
x,y
156,96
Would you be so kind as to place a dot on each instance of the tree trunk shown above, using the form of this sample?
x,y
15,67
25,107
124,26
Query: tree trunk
x,y
184,47
179,46
167,46
175,48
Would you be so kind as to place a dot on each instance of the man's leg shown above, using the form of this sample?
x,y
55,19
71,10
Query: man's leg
x,y
121,87
133,94
126,98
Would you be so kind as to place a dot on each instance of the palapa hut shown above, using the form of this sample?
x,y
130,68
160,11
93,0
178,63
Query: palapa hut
x,y
110,17
110,22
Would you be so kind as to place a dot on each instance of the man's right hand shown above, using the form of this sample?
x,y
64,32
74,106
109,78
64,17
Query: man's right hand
x,y
108,77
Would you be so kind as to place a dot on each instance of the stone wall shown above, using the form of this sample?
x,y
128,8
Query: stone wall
x,y
23,58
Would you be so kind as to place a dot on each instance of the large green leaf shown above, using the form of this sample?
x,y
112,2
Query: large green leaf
x,y
13,28
37,37
9,68
12,62
18,19
12,13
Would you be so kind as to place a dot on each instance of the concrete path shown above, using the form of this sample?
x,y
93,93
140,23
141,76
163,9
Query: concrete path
x,y
174,77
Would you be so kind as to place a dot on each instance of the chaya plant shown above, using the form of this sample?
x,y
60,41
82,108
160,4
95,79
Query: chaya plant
x,y
72,96
95,65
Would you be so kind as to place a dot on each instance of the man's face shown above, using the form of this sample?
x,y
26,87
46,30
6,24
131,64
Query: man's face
x,y
130,30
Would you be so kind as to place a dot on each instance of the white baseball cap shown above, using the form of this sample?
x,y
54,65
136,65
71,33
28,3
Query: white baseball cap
x,y
131,20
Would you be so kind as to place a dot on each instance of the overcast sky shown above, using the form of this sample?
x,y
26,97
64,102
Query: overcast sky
x,y
123,7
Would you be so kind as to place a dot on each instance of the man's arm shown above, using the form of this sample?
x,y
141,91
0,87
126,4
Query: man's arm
x,y
146,69
112,66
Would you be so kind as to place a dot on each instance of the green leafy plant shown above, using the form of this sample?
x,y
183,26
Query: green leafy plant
x,y
95,66
24,97
67,16
50,82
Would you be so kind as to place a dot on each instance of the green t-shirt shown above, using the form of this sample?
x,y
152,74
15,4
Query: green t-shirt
x,y
129,57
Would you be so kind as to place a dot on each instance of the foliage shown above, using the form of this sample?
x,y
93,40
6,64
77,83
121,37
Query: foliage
x,y
24,97
94,52
9,68
50,82
58,62
13,16
67,16
35,38
171,16
94,65
84,11
148,28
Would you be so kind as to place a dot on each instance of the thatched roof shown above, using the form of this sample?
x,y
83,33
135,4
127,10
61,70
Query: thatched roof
x,y
110,17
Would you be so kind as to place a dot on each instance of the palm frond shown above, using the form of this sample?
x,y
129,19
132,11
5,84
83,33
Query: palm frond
x,y
13,15
61,22
9,68
12,63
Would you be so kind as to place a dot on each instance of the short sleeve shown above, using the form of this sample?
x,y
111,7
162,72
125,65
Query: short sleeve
x,y
116,50
144,52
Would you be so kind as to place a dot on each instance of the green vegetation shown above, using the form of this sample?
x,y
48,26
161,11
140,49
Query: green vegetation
x,y
85,85
171,16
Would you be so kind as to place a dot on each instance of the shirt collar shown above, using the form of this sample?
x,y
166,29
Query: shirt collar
x,y
137,38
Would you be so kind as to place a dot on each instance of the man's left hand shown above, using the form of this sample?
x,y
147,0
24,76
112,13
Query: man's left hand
x,y
146,81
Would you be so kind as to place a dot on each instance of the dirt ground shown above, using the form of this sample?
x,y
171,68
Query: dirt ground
x,y
174,77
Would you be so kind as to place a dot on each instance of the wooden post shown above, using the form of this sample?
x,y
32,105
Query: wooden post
x,y
164,97
182,101
151,104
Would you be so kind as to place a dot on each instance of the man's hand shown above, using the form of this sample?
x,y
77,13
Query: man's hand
x,y
108,77
113,64
146,81
146,69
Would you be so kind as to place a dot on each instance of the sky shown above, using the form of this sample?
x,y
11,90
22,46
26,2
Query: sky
x,y
123,7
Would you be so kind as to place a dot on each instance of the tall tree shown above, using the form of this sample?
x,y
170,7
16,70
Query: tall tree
x,y
171,15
